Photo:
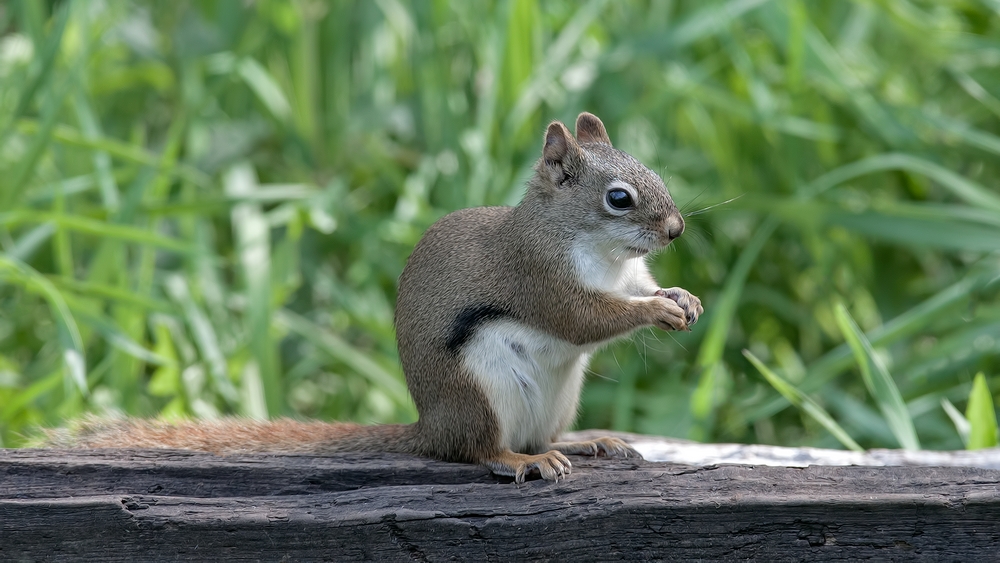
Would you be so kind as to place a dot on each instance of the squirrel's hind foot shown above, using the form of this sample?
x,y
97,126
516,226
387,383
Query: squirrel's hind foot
x,y
611,447
551,465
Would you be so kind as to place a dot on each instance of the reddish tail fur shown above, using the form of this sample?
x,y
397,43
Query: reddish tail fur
x,y
235,435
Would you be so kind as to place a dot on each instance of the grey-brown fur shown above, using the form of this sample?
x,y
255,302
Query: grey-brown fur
x,y
515,260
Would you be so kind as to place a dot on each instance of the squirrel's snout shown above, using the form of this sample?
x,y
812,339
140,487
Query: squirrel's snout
x,y
674,226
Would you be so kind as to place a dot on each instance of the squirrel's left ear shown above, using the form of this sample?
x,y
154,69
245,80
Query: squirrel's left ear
x,y
559,153
589,129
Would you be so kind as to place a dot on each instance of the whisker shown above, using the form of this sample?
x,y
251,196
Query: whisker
x,y
645,355
697,239
683,209
704,209
617,363
589,371
677,342
656,336
646,335
656,151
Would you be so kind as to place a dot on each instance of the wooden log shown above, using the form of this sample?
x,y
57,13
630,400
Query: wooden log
x,y
129,505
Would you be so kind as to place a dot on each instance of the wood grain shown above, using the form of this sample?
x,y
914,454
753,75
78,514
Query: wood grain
x,y
128,505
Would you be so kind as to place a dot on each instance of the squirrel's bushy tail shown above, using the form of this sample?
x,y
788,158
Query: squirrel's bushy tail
x,y
233,435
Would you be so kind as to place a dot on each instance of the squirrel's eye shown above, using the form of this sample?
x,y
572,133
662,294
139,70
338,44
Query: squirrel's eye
x,y
619,199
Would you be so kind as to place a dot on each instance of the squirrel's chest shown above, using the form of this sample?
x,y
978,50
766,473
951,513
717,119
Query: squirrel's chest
x,y
604,269
532,380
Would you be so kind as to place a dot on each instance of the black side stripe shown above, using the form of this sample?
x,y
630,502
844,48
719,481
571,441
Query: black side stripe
x,y
466,322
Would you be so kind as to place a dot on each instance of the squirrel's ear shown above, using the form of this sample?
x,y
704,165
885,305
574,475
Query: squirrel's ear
x,y
559,153
589,129
559,144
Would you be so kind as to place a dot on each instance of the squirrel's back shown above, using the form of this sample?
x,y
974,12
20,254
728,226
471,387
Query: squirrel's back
x,y
454,263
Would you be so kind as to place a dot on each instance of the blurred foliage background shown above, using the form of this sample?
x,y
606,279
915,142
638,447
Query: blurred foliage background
x,y
205,205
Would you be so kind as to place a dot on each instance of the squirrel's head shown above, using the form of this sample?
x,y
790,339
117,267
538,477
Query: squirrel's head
x,y
603,193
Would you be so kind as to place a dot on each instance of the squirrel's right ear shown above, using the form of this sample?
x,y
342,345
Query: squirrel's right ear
x,y
559,150
590,129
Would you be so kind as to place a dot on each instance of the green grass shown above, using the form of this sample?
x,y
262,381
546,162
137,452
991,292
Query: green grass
x,y
204,206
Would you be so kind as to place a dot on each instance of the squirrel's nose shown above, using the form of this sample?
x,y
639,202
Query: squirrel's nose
x,y
675,225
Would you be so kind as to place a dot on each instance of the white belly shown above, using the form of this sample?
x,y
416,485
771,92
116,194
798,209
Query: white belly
x,y
532,380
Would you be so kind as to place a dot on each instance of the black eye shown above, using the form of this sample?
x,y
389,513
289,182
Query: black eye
x,y
619,199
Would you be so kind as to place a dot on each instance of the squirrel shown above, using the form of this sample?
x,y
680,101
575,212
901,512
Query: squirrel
x,y
498,312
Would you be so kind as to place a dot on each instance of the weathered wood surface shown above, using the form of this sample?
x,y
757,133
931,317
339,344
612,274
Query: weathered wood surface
x,y
121,505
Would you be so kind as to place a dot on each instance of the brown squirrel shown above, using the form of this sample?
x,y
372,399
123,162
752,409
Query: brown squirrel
x,y
499,310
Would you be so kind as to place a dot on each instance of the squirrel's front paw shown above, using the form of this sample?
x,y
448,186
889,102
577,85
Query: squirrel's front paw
x,y
666,313
688,302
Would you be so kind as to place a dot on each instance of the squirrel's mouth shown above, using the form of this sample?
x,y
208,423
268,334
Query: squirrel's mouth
x,y
637,251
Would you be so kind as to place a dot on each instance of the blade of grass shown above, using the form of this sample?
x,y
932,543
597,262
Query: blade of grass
x,y
710,20
267,90
804,402
69,334
40,387
25,167
41,67
981,416
87,28
976,90
306,72
96,228
958,419
878,381
68,187
28,243
61,245
552,65
956,129
965,189
117,338
101,159
253,242
130,153
958,348
918,225
104,291
204,337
